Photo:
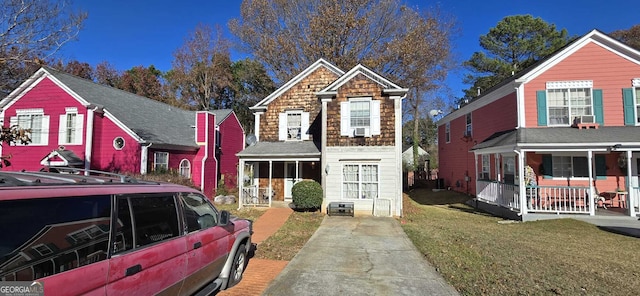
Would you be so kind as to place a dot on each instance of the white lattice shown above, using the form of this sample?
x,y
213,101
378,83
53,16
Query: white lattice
x,y
569,84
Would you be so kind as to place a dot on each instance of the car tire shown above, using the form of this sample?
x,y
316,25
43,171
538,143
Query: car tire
x,y
237,267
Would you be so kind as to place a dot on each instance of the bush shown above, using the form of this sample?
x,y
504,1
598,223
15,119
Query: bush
x,y
307,195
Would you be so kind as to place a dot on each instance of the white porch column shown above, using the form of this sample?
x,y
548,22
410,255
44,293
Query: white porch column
x,y
475,158
629,201
297,172
323,150
591,201
88,148
270,186
522,191
240,181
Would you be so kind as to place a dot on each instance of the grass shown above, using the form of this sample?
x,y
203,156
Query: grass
x,y
291,237
245,213
480,256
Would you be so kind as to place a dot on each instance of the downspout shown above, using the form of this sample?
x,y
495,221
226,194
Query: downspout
x,y
521,185
144,157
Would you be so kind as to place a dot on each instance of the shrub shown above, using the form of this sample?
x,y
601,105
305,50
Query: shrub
x,y
307,195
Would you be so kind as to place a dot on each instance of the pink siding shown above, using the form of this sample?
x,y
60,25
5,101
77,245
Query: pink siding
x,y
231,143
206,125
609,72
53,100
105,156
201,133
455,160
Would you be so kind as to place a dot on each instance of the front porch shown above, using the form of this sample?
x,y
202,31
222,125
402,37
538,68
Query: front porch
x,y
540,201
268,171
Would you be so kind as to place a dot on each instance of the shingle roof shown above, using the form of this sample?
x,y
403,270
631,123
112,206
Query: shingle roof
x,y
282,149
564,136
153,121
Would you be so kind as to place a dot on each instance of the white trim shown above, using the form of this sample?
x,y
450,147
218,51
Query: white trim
x,y
360,69
520,106
24,88
480,102
30,111
294,81
188,167
88,148
123,143
122,126
570,84
635,82
144,158
155,159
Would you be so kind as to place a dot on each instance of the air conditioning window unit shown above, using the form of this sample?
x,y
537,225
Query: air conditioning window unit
x,y
587,119
360,132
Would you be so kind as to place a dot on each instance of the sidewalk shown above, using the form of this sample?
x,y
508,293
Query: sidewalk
x,y
260,272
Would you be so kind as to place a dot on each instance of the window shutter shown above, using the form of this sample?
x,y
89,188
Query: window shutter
x,y
282,127
547,166
305,126
45,130
375,117
597,106
627,102
62,129
79,127
345,119
541,98
601,167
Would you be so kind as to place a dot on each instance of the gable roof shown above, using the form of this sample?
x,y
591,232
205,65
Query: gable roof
x,y
149,120
293,81
547,62
388,86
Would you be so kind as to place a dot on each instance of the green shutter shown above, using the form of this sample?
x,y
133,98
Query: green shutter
x,y
597,106
547,166
627,102
601,167
541,98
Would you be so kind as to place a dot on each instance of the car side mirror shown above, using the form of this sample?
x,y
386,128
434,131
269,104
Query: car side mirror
x,y
224,218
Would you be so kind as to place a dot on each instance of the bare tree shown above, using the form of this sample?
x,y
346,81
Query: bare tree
x,y
409,46
201,71
106,74
31,31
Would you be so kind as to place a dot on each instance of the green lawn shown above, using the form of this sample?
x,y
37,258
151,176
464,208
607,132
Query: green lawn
x,y
480,256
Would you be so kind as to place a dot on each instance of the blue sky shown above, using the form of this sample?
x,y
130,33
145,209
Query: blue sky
x,y
133,33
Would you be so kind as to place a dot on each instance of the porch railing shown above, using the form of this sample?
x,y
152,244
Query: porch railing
x,y
254,196
635,194
558,199
506,195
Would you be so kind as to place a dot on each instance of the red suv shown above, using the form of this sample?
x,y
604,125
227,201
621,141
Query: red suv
x,y
112,235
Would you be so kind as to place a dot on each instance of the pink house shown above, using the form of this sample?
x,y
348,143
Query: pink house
x,y
77,123
560,137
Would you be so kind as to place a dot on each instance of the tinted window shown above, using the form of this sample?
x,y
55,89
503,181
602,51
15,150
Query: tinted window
x,y
145,219
41,237
199,214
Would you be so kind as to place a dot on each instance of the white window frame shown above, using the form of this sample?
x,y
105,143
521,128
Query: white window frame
x,y
42,131
485,168
283,125
115,143
347,127
290,114
570,87
185,168
636,100
157,165
360,182
447,132
468,126
70,132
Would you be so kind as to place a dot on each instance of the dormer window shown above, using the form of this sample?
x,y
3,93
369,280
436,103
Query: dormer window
x,y
294,125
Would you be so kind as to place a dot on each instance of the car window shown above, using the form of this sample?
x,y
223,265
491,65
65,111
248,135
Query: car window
x,y
144,219
198,213
45,236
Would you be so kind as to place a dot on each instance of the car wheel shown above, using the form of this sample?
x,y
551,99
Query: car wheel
x,y
239,263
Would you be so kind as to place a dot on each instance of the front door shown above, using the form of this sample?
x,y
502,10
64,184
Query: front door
x,y
291,176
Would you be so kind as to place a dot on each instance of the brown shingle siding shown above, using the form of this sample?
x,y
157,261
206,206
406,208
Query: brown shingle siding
x,y
300,96
361,86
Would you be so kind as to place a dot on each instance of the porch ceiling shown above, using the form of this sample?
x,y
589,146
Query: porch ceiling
x,y
606,136
284,149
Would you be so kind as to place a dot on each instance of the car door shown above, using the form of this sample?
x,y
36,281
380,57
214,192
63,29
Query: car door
x,y
207,242
149,252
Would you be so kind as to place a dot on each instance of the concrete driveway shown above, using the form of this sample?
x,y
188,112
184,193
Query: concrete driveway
x,y
359,256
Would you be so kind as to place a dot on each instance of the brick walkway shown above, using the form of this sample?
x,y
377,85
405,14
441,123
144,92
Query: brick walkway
x,y
260,272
